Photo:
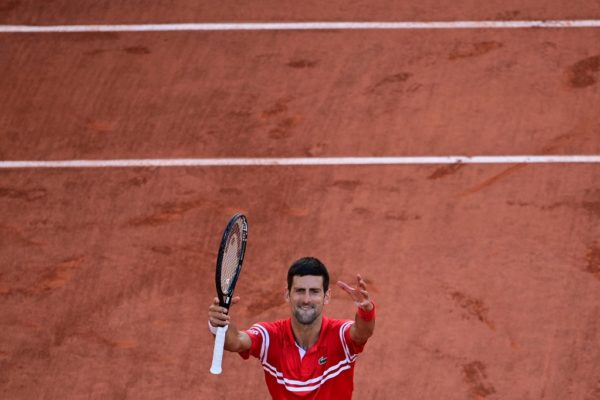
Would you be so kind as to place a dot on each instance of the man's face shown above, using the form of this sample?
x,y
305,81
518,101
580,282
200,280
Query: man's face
x,y
307,298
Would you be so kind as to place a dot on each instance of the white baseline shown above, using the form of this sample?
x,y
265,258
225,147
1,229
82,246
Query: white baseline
x,y
306,161
278,26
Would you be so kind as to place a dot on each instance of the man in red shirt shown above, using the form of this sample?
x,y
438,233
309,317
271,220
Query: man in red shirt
x,y
307,356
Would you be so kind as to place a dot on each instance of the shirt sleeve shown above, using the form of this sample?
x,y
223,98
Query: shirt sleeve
x,y
256,339
354,348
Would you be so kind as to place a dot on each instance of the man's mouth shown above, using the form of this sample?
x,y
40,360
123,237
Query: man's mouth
x,y
306,314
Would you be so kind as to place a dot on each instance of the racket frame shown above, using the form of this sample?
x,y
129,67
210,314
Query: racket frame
x,y
225,298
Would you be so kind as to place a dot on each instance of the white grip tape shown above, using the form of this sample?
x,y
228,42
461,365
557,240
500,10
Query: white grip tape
x,y
215,368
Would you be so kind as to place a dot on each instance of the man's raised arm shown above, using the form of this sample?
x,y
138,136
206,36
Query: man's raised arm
x,y
364,321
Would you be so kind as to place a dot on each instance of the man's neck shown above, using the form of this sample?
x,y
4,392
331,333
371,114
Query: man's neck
x,y
307,335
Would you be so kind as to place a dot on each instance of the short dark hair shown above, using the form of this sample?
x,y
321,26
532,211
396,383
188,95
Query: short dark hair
x,y
308,266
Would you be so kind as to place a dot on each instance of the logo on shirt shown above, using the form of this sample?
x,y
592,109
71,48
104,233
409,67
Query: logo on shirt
x,y
322,360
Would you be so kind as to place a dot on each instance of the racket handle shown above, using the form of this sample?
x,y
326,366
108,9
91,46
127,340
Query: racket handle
x,y
215,368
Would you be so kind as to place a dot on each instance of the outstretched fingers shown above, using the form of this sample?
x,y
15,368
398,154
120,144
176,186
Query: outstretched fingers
x,y
361,282
359,294
347,288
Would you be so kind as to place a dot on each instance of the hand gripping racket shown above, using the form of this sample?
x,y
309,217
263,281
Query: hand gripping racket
x,y
229,266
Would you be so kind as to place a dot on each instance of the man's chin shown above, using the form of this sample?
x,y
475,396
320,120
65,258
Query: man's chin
x,y
306,318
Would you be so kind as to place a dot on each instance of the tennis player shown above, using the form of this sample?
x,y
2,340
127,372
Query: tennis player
x,y
307,356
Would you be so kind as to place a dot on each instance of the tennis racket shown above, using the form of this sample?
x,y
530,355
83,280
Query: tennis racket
x,y
229,266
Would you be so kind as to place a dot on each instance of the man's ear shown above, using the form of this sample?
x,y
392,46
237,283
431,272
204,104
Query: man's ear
x,y
286,294
327,296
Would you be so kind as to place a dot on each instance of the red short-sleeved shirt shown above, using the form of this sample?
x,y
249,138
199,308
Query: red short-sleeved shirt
x,y
325,372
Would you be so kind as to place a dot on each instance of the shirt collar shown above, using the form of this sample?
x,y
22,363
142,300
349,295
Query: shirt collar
x,y
290,333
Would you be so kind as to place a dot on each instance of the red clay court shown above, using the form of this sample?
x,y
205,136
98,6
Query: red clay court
x,y
486,275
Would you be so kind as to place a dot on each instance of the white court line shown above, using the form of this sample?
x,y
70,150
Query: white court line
x,y
257,26
307,161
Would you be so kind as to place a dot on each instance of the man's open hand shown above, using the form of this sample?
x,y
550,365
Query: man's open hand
x,y
358,294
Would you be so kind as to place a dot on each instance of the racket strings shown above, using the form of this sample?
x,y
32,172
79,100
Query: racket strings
x,y
231,257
